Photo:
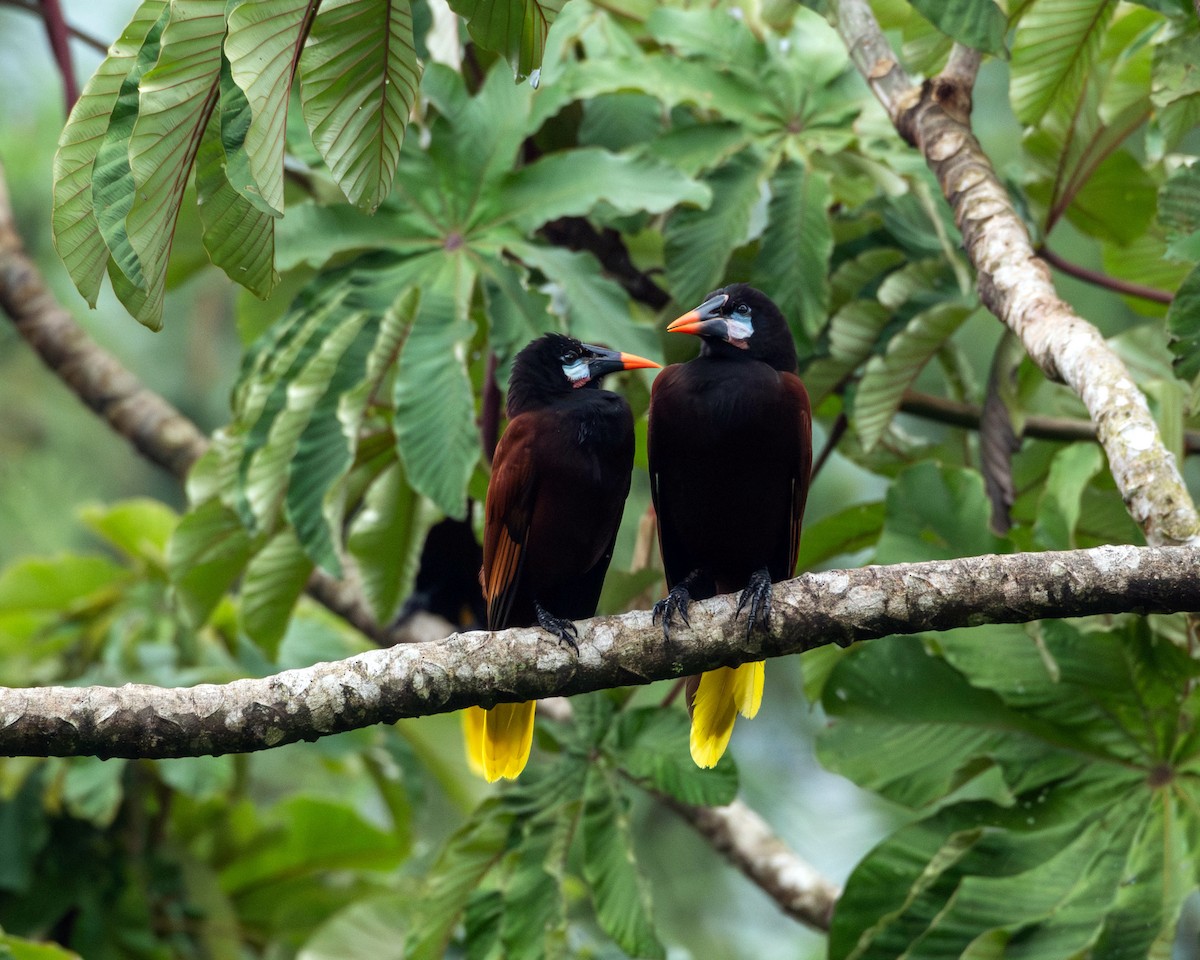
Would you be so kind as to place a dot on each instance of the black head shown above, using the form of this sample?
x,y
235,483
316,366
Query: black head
x,y
555,365
739,321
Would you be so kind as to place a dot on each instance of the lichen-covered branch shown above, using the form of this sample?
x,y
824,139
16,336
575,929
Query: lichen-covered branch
x,y
412,680
1016,285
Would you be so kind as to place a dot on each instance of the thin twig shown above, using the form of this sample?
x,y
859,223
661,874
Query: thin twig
x,y
31,6
1098,279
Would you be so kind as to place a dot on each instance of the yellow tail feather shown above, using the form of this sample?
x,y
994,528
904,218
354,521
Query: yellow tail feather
x,y
507,738
722,694
748,688
473,719
713,711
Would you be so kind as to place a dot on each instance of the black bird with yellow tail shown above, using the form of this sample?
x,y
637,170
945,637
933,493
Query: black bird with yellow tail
x,y
559,481
730,447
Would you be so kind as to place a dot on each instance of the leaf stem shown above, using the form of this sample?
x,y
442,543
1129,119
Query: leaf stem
x,y
1098,279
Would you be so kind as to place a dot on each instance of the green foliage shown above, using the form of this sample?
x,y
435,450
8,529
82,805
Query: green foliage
x,y
434,219
1055,780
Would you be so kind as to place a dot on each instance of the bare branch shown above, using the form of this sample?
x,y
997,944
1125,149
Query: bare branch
x,y
412,680
745,840
1016,286
1065,429
1097,279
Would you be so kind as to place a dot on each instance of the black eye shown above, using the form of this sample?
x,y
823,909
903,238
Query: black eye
x,y
742,310
569,357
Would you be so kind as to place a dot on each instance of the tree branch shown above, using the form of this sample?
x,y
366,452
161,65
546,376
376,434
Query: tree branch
x,y
31,6
1016,286
1103,280
412,680
740,835
1065,429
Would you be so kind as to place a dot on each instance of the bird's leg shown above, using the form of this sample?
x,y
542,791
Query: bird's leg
x,y
758,595
676,601
565,630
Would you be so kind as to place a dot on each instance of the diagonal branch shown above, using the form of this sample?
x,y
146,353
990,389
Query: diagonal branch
x,y
412,680
1016,286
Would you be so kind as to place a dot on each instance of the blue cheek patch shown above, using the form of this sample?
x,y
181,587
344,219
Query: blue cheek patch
x,y
577,372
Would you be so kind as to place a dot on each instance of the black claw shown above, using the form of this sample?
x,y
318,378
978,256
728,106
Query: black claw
x,y
564,630
758,594
677,601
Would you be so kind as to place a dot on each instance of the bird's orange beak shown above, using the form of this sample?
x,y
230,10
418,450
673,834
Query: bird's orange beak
x,y
705,320
631,361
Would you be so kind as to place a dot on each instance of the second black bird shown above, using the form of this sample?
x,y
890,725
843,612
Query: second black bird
x,y
730,447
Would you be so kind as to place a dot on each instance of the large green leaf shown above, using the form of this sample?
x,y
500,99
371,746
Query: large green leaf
x,y
175,102
206,554
435,404
847,531
698,243
1056,43
593,307
888,375
936,513
385,539
618,890
238,235
263,48
324,452
358,83
77,234
572,183
1063,815
516,314
273,581
793,262
975,23
1179,211
469,854
651,745
1061,502
516,29
1183,320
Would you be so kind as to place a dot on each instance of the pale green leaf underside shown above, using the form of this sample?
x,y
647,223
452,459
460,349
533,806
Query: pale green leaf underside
x,y
77,235
976,23
516,29
263,48
886,377
358,82
175,102
1056,43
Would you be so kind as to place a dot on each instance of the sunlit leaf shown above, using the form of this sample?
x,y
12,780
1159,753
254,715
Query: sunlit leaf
x,y
793,261
1183,321
435,405
238,235
1059,508
975,23
206,554
175,101
618,890
516,29
1056,42
77,234
358,82
887,376
263,48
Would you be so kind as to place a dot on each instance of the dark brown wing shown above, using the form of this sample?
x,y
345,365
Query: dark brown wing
x,y
803,473
507,518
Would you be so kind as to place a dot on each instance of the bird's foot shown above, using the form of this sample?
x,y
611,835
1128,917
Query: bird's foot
x,y
676,601
758,595
565,630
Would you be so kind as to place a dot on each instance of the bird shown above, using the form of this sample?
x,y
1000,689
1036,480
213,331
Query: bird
x,y
560,477
730,457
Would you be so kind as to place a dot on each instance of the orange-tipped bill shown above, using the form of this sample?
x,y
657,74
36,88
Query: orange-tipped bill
x,y
603,361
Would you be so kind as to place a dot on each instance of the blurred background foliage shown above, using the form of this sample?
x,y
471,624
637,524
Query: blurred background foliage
x,y
714,142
